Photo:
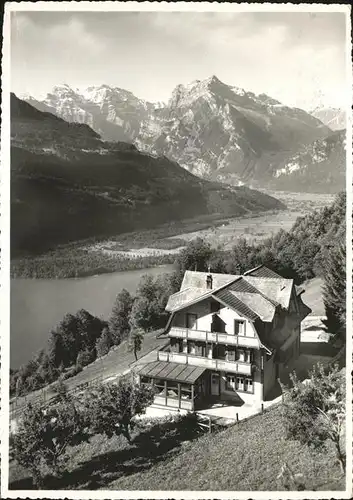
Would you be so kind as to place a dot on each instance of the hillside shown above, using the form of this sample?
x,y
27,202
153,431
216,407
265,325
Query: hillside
x,y
245,457
318,167
216,131
69,184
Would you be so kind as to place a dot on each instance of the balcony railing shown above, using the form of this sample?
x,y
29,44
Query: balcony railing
x,y
213,364
216,337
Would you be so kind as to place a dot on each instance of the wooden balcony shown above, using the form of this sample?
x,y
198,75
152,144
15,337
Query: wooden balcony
x,y
213,337
212,364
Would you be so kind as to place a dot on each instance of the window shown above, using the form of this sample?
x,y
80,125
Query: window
x,y
230,384
191,321
159,386
200,349
191,348
215,378
240,383
239,327
172,389
219,352
231,354
241,355
248,385
176,345
244,384
248,356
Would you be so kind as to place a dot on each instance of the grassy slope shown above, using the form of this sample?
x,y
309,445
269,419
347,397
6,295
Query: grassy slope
x,y
247,457
114,363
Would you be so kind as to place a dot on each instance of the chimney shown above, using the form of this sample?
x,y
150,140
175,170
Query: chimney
x,y
209,281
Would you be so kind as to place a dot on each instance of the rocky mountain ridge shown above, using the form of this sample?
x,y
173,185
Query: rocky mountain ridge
x,y
215,131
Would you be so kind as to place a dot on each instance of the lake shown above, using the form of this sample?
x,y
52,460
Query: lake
x,y
39,305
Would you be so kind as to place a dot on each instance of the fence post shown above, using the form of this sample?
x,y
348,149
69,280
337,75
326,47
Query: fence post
x,y
209,425
262,407
237,417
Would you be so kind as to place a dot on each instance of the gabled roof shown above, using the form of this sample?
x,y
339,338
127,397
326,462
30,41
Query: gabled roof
x,y
197,279
192,294
277,290
186,296
264,309
230,299
262,294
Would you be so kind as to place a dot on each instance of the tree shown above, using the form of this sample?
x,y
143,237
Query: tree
x,y
135,340
112,406
119,325
314,412
148,311
196,256
104,343
43,436
74,334
86,357
334,289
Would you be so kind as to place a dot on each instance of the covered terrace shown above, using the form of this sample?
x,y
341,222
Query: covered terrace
x,y
176,385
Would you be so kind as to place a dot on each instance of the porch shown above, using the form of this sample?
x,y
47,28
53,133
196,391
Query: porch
x,y
182,387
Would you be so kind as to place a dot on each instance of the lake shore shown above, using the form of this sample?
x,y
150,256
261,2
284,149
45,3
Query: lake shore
x,y
37,306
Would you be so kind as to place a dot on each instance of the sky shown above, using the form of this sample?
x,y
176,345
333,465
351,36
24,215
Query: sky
x,y
295,57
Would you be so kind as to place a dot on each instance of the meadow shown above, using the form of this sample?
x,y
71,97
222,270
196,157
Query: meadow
x,y
245,457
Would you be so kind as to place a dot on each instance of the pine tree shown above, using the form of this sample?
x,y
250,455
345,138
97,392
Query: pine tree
x,y
334,290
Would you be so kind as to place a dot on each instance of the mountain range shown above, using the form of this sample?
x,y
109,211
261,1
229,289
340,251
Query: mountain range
x,y
215,131
68,184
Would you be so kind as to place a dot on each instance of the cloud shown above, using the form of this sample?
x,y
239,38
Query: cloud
x,y
63,36
149,53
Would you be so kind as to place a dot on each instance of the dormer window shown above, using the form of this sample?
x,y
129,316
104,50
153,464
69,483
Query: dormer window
x,y
209,282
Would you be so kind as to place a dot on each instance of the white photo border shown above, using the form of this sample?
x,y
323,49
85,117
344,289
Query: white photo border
x,y
5,243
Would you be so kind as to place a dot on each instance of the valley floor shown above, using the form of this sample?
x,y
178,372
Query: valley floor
x,y
157,246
